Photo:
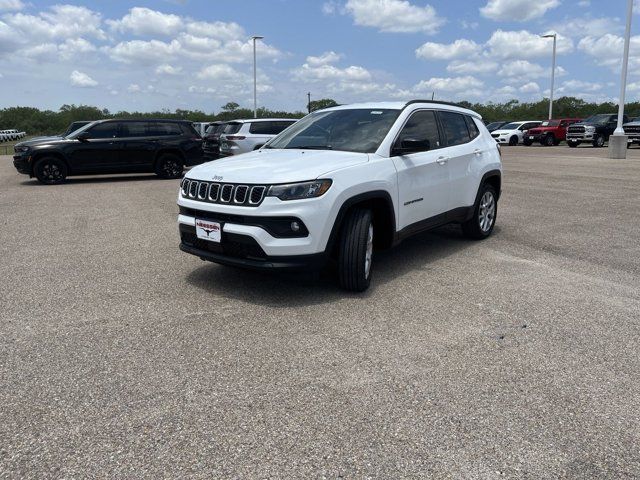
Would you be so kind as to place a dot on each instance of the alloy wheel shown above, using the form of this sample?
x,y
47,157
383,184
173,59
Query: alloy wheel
x,y
369,253
487,212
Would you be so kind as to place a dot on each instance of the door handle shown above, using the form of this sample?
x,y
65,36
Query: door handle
x,y
477,151
442,160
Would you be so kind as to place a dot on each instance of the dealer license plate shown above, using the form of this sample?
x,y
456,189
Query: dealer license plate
x,y
207,230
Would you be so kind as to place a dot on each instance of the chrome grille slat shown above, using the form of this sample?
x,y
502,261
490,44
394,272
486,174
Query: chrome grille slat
x,y
241,194
227,193
256,195
214,191
193,189
203,188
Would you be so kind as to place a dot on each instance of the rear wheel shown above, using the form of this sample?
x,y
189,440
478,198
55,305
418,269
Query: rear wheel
x,y
355,253
513,141
484,214
528,143
50,170
169,166
549,140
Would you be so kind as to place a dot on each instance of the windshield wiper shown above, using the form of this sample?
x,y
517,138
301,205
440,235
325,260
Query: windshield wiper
x,y
310,147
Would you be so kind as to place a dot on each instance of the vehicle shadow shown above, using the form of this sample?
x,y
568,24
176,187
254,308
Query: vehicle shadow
x,y
103,179
303,289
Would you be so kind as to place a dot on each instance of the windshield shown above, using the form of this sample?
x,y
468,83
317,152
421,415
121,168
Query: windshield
x,y
602,118
353,130
551,123
511,126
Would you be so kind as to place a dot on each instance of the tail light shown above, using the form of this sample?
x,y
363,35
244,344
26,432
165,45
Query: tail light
x,y
235,137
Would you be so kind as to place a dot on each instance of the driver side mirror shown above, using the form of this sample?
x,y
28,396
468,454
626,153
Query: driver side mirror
x,y
411,145
84,136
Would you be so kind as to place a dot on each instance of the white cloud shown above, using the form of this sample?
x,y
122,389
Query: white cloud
x,y
166,69
579,85
531,87
517,10
74,47
325,58
331,73
587,26
522,69
144,21
399,16
449,84
218,72
524,44
219,30
80,79
60,21
11,5
142,51
476,66
607,50
134,88
448,51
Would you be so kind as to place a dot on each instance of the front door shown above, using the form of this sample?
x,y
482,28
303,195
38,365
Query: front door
x,y
99,152
423,171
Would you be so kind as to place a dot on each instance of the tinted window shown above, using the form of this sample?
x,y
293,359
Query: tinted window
x,y
104,130
473,128
231,128
133,129
423,127
268,128
163,129
455,128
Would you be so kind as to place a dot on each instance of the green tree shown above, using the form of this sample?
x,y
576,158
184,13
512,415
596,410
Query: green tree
x,y
322,103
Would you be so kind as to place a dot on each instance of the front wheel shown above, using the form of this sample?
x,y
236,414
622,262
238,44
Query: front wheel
x,y
169,166
485,211
598,142
50,170
513,141
355,253
573,144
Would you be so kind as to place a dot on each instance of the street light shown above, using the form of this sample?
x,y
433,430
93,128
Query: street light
x,y
618,141
553,71
255,77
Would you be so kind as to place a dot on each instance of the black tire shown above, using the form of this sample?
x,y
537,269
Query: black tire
x,y
476,227
169,166
598,142
355,241
549,140
528,143
513,141
50,170
573,144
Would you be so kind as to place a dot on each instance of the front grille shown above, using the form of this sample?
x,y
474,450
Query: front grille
x,y
578,129
495,135
632,129
212,192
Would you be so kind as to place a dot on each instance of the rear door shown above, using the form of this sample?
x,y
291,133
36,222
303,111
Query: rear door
x,y
138,147
100,152
423,176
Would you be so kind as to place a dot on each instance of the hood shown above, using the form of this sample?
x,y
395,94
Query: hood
x,y
585,124
37,141
542,129
276,166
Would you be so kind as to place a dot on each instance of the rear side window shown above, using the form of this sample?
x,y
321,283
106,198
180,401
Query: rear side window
x,y
104,130
455,128
164,129
268,128
232,128
421,126
133,129
473,128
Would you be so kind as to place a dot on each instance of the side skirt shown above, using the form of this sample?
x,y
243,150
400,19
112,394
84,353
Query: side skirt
x,y
457,215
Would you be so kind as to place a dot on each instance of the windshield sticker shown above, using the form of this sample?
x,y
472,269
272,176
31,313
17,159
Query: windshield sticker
x,y
376,112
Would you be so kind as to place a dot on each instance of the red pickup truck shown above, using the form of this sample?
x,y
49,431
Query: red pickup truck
x,y
551,132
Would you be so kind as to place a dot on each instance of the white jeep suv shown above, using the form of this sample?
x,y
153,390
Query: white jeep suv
x,y
341,183
513,133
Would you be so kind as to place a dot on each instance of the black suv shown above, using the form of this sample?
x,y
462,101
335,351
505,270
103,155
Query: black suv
x,y
211,140
595,130
112,146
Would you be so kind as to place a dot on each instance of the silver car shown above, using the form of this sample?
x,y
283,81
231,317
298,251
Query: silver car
x,y
242,136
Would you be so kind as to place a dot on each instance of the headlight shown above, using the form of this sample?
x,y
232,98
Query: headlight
x,y
21,149
299,191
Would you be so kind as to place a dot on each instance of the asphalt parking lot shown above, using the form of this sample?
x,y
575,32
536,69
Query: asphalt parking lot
x,y
516,357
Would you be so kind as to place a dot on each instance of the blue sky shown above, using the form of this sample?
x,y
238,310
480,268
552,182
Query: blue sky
x,y
150,55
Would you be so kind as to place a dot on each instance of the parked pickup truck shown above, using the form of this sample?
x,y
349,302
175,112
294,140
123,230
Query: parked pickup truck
x,y
551,132
632,131
594,130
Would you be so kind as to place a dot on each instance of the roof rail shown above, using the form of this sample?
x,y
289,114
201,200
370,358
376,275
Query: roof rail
x,y
439,102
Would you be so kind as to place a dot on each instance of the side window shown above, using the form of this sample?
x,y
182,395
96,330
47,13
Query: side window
x,y
231,128
280,126
133,129
261,128
473,128
104,130
455,128
163,129
421,127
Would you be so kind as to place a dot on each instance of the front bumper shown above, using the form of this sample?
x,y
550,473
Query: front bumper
x,y
22,163
580,137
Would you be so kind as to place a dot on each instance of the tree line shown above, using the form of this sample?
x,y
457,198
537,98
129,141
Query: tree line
x,y
47,122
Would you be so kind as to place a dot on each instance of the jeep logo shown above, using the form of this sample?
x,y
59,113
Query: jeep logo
x,y
217,178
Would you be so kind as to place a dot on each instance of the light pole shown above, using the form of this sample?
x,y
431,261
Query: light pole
x,y
553,71
618,141
255,77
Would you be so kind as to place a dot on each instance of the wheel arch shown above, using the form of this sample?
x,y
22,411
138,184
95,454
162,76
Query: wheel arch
x,y
171,151
39,155
494,178
384,217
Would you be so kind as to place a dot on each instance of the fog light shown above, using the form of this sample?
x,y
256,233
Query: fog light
x,y
295,226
